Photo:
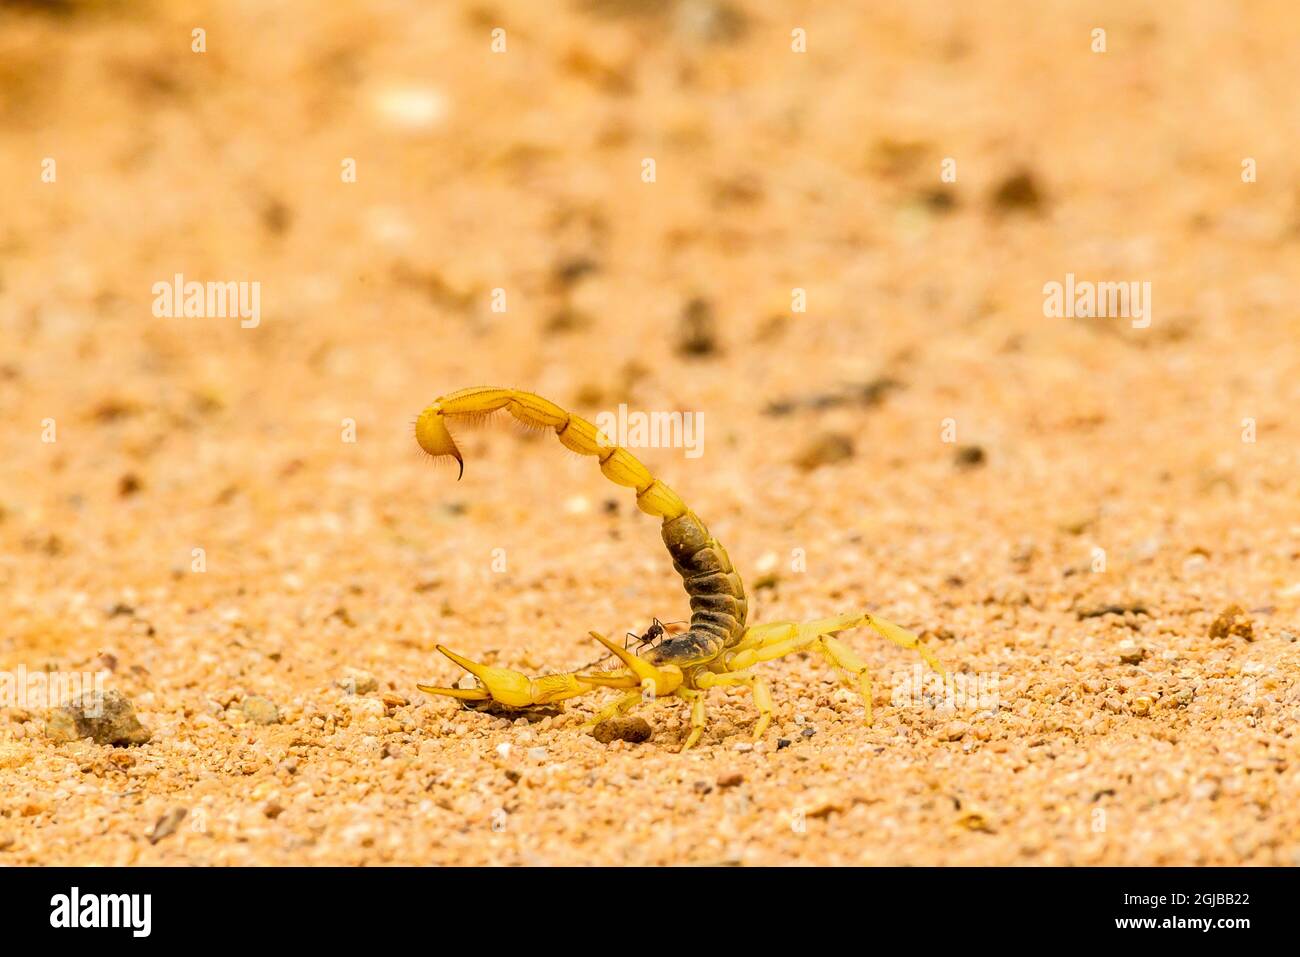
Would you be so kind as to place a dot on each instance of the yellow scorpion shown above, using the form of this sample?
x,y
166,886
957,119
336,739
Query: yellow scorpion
x,y
718,648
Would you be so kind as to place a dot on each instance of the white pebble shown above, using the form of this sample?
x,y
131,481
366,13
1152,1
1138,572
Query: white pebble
x,y
411,108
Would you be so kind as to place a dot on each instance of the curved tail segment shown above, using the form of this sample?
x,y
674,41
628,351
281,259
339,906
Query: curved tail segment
x,y
574,432
718,605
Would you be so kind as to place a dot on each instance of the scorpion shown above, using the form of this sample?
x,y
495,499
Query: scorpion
x,y
717,650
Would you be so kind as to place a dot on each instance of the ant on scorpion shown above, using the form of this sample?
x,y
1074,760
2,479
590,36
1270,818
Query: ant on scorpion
x,y
652,634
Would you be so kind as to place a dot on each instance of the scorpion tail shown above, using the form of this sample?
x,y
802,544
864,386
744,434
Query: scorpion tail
x,y
717,596
574,432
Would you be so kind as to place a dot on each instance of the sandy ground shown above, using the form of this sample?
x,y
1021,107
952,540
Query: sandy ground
x,y
1063,506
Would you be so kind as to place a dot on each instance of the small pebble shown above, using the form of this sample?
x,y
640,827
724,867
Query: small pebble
x,y
1132,655
1019,191
697,330
357,682
822,806
166,825
975,821
632,729
828,448
105,717
1206,790
1233,622
412,108
260,710
730,779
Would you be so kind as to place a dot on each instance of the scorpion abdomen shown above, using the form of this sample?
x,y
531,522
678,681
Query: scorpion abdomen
x,y
718,604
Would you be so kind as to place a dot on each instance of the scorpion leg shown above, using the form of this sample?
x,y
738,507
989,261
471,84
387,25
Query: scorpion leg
x,y
760,635
901,637
697,716
841,656
757,687
618,707
776,640
766,642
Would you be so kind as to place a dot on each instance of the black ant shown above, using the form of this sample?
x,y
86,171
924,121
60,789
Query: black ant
x,y
652,634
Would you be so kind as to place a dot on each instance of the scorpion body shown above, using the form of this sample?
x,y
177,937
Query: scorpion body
x,y
717,649
718,604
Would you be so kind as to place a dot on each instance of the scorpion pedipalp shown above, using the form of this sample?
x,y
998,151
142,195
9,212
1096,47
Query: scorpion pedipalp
x,y
514,689
662,681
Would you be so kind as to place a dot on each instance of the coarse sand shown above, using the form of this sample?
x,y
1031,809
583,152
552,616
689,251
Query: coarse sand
x,y
226,515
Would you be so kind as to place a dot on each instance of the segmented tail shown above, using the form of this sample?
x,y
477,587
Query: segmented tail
x,y
718,604
574,432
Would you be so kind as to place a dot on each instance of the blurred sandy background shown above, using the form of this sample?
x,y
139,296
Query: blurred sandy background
x,y
1127,733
